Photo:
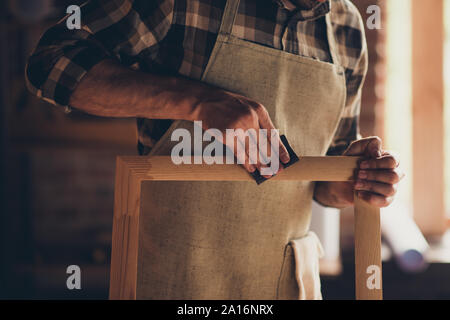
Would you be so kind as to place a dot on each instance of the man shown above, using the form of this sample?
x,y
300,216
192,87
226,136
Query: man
x,y
297,66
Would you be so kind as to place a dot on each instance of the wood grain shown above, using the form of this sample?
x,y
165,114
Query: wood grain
x,y
132,171
367,249
125,233
161,168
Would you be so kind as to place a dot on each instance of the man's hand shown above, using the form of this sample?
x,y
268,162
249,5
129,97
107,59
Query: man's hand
x,y
376,179
222,110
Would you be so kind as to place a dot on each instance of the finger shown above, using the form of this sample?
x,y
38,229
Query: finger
x,y
384,189
240,154
278,147
385,162
369,147
255,144
251,146
256,139
266,123
385,176
375,199
263,145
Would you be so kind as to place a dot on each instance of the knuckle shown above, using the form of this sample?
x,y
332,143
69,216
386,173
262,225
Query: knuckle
x,y
373,139
376,138
247,116
261,108
262,111
254,105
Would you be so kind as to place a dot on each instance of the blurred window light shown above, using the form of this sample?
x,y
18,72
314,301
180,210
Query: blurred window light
x,y
398,99
447,104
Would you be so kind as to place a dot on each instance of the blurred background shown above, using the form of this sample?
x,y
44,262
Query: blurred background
x,y
57,169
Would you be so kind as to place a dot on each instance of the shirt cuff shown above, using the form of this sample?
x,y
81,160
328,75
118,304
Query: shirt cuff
x,y
67,73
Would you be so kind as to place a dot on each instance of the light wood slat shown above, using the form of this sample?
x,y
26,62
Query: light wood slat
x,y
367,249
161,168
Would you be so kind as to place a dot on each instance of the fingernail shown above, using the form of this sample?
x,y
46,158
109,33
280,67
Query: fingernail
x,y
364,165
362,175
285,158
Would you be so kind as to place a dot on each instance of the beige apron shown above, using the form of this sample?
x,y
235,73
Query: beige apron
x,y
237,240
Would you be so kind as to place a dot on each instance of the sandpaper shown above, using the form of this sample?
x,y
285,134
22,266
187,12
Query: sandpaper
x,y
294,158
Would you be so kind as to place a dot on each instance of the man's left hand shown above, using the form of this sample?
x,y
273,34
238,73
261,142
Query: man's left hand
x,y
376,179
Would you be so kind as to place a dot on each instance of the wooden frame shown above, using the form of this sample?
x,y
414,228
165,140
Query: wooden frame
x,y
132,171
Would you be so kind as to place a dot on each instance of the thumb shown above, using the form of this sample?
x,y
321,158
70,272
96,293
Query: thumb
x,y
369,147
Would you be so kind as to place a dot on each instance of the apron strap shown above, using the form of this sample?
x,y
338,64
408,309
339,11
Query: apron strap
x,y
332,40
229,16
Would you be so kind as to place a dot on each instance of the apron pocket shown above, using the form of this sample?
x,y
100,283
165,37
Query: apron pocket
x,y
300,276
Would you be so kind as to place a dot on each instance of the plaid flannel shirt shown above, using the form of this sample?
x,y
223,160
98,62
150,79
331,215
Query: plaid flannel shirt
x,y
177,37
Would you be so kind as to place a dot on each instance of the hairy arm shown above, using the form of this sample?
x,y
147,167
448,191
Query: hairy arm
x,y
112,90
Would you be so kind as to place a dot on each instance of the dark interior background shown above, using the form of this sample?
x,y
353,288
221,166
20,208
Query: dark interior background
x,y
57,174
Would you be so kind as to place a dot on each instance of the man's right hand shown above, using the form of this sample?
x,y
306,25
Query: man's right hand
x,y
224,110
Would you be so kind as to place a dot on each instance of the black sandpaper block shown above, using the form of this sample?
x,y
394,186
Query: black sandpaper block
x,y
294,158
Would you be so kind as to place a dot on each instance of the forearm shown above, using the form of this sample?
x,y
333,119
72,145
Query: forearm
x,y
112,90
